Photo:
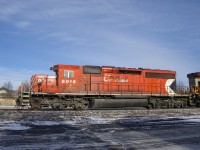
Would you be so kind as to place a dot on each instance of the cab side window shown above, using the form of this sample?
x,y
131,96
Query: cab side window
x,y
68,74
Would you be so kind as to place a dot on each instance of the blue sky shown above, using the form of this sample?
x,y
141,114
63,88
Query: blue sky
x,y
156,34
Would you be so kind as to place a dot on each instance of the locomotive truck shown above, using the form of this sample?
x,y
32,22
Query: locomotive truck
x,y
82,87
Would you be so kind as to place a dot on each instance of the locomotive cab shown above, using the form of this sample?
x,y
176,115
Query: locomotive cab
x,y
67,77
194,83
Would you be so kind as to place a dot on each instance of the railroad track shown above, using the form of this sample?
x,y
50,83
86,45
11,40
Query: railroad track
x,y
117,110
93,109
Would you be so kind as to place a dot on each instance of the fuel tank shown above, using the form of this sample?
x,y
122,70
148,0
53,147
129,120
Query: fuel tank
x,y
119,102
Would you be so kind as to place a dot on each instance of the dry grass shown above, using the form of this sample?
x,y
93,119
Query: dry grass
x,y
7,102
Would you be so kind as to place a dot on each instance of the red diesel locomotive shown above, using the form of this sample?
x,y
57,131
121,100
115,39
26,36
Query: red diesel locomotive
x,y
82,87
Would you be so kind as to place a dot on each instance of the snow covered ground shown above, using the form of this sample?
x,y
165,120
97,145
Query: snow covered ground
x,y
7,107
100,129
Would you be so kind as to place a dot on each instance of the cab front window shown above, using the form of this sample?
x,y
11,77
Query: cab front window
x,y
68,74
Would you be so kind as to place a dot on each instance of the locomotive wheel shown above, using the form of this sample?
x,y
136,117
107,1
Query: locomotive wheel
x,y
35,105
170,105
158,104
55,107
81,105
177,103
150,106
